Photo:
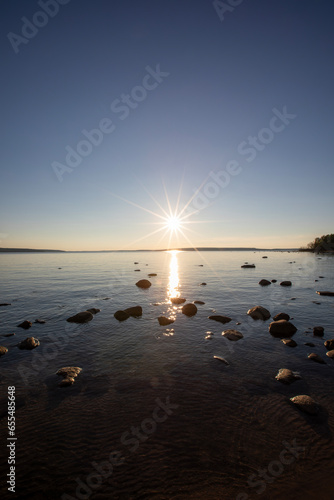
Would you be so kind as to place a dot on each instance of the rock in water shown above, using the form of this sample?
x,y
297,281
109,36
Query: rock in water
x,y
264,282
329,294
232,335
40,321
5,304
81,317
329,344
177,300
306,404
134,311
318,331
247,266
3,350
289,342
29,343
287,376
282,328
330,354
143,284
200,302
316,357
69,373
152,274
26,324
221,359
281,316
286,283
163,321
189,309
220,319
94,310
259,312
121,315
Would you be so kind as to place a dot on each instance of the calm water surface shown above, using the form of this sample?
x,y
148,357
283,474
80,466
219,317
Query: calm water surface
x,y
225,432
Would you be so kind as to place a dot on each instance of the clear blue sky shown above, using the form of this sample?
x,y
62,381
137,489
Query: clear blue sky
x,y
210,111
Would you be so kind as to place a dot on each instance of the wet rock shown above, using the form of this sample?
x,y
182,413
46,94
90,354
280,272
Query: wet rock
x,y
134,311
274,281
259,312
143,284
5,304
264,282
310,344
137,270
282,328
306,404
189,309
329,294
330,354
94,310
232,335
163,321
40,321
121,315
329,344
286,283
106,298
289,342
318,331
287,376
81,317
315,302
3,350
246,266
9,334
280,316
221,359
220,318
177,300
152,274
264,257
25,325
136,262
200,302
29,343
69,373
203,284
315,357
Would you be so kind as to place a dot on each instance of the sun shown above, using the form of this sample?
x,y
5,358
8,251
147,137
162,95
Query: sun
x,y
173,223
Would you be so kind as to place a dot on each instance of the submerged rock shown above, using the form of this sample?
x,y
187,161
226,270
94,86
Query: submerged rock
x,y
25,325
318,331
163,321
94,310
189,309
9,334
282,328
232,335
329,344
287,376
248,266
69,373
306,404
289,342
5,304
81,317
310,344
220,319
121,315
259,312
315,357
177,300
3,350
29,343
286,283
200,302
280,316
40,321
264,282
143,284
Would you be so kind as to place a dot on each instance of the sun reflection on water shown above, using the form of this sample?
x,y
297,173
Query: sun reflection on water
x,y
174,282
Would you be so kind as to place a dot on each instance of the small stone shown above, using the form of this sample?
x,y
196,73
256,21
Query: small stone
x,y
81,317
220,319
287,376
3,350
233,335
310,344
69,373
329,344
259,312
286,283
9,334
264,282
280,316
306,404
25,325
264,257
136,262
137,270
40,321
282,328
315,357
203,284
330,354
152,274
289,342
66,382
200,302
189,309
163,321
143,284
274,281
221,359
29,343
121,315
177,300
318,331
248,266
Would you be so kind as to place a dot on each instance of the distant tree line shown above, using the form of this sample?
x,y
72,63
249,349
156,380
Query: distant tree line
x,y
320,245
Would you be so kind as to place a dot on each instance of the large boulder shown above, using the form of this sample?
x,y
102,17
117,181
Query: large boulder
x,y
232,334
306,404
163,321
29,343
282,328
189,309
281,316
329,344
134,311
3,350
220,319
143,284
287,376
259,312
81,317
25,325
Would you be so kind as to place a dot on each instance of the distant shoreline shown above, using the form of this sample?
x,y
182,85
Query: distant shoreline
x,y
199,249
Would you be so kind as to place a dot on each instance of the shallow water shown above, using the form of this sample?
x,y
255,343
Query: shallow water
x,y
227,424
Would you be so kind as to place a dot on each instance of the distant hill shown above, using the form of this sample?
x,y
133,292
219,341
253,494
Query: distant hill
x,y
27,250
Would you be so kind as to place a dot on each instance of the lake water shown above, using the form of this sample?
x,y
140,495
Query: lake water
x,y
176,422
